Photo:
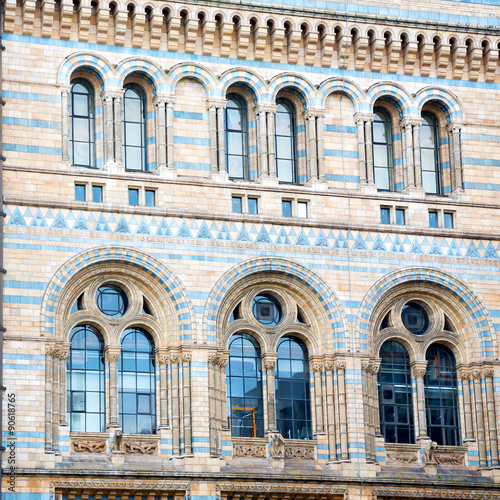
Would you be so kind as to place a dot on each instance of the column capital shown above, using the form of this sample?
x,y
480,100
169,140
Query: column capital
x,y
112,353
419,368
465,374
488,372
111,93
454,126
410,120
312,114
269,360
216,103
160,98
264,108
362,117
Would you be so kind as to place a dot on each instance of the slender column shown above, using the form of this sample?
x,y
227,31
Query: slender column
x,y
162,363
117,107
476,376
65,123
344,452
223,363
221,138
271,143
55,400
320,134
174,363
262,140
161,131
48,397
186,389
360,123
107,100
416,153
212,113
337,413
211,402
312,142
63,356
490,405
369,150
170,132
112,354
269,365
454,130
330,412
365,379
374,425
317,369
419,371
466,376
218,408
407,128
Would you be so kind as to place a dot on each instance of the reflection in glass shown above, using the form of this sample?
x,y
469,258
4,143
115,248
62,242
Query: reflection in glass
x,y
429,154
415,318
111,301
293,402
81,130
236,137
394,389
85,392
285,133
244,387
441,396
134,128
383,169
266,309
136,383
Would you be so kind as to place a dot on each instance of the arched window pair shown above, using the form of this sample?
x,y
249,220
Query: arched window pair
x,y
383,163
236,128
396,399
244,388
82,126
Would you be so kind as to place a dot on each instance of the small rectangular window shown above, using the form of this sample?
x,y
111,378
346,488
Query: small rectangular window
x,y
133,196
80,192
385,215
433,218
150,198
302,209
287,208
97,194
448,220
237,205
253,206
400,217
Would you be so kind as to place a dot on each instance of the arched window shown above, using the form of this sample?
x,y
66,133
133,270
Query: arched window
x,y
134,128
85,365
429,154
441,396
285,133
236,137
383,168
81,129
244,387
395,395
293,401
136,383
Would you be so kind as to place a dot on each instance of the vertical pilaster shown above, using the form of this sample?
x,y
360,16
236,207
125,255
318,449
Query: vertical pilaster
x,y
271,144
269,365
162,362
174,364
454,130
63,356
360,124
466,376
408,152
490,404
330,411
117,108
65,123
112,354
419,370
344,451
224,359
416,153
476,376
369,150
320,134
211,403
170,132
365,380
186,390
109,153
212,116
48,397
262,140
311,146
161,131
55,400
317,369
218,405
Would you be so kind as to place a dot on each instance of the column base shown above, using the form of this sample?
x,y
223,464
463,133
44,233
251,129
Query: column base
x,y
415,192
219,177
271,181
368,188
167,173
318,185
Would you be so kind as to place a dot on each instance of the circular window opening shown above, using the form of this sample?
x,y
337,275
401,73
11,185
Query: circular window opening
x,y
112,301
267,310
415,318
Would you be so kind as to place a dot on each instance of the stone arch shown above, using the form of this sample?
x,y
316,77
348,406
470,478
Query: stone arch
x,y
197,72
146,68
481,337
443,98
344,86
331,314
87,60
156,272
394,92
303,87
246,77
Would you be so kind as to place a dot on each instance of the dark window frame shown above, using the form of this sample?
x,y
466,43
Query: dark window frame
x,y
436,168
89,118
385,118
293,158
142,121
242,107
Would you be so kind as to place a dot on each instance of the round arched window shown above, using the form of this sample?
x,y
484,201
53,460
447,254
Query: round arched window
x,y
111,301
415,318
267,310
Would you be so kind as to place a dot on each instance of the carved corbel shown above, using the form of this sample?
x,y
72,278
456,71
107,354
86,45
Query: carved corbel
x,y
310,46
393,55
425,54
293,45
410,50
457,57
9,16
155,25
277,36
190,35
360,46
343,50
259,42
65,18
102,22
28,12
83,14
442,59
121,18
208,36
242,39
377,46
173,32
47,17
225,36
326,47
474,59
490,59
138,22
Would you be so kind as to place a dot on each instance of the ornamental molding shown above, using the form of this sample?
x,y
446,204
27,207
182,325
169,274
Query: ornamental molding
x,y
280,488
114,484
402,494
82,446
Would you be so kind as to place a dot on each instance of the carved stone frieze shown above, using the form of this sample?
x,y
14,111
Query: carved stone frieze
x,y
277,445
249,450
459,494
281,488
81,484
299,452
449,458
141,447
86,446
401,457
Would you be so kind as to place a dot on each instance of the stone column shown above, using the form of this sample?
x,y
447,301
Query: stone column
x,y
161,131
186,390
65,92
373,421
218,405
454,130
365,380
330,411
221,137
408,161
112,354
224,358
271,143
419,370
162,362
416,153
170,132
344,452
369,150
317,369
360,124
490,406
320,134
117,107
63,356
109,144
311,146
212,114
48,397
211,403
174,366
55,399
476,376
269,361
262,140
466,376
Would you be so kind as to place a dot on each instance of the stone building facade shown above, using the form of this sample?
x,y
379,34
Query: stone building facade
x,y
251,249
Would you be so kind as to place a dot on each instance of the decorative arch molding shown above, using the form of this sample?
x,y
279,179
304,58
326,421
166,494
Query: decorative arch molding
x,y
146,68
391,90
304,88
249,79
138,261
87,60
442,97
482,341
311,284
346,87
197,72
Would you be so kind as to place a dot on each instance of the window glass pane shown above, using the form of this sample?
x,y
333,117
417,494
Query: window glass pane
x,y
382,178
284,147
379,132
236,167
385,215
426,136
285,170
97,194
234,143
80,104
234,121
81,129
150,198
133,110
133,158
429,182
237,205
77,422
287,208
80,192
133,197
81,153
302,209
400,217
433,219
283,124
133,133
252,206
428,159
78,401
380,156
448,220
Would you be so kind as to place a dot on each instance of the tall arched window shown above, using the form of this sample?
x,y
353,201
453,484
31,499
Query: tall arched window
x,y
286,150
136,383
236,137
244,387
85,366
429,154
134,128
293,401
441,396
383,168
81,129
395,395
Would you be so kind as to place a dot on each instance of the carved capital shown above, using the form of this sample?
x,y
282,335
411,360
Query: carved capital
x,y
365,366
373,368
264,108
488,372
222,362
49,350
212,359
270,364
476,374
187,357
175,358
216,104
340,364
317,367
361,118
465,375
329,366
61,354
419,372
163,359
